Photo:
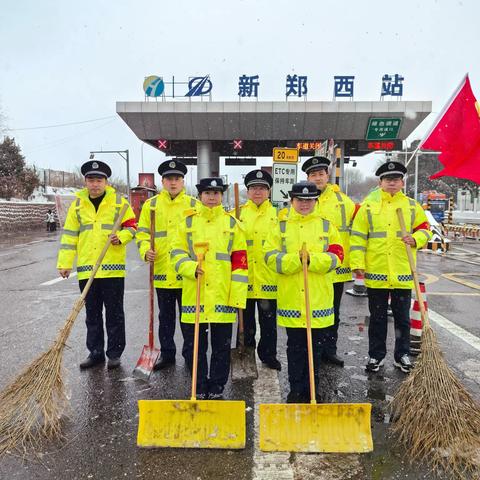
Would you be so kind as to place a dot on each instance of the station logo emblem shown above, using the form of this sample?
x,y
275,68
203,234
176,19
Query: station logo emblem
x,y
198,86
153,86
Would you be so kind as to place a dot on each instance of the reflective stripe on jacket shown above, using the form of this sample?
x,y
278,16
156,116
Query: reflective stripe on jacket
x,y
282,256
339,209
376,244
168,214
258,224
224,283
85,233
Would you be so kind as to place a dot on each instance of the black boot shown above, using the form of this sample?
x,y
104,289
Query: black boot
x,y
90,362
333,359
162,363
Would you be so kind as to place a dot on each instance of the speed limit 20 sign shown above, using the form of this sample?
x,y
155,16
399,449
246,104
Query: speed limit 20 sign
x,y
285,155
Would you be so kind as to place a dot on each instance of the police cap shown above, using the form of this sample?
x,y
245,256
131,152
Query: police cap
x,y
211,183
172,167
316,163
391,168
95,168
258,177
304,190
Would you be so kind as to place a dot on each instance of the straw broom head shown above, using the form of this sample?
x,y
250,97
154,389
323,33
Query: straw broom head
x,y
32,405
35,401
436,419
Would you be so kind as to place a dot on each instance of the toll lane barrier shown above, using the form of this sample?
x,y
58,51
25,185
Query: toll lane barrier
x,y
467,231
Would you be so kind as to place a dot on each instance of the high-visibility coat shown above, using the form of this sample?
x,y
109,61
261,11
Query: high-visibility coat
x,y
168,214
376,244
282,256
86,231
339,209
258,224
224,283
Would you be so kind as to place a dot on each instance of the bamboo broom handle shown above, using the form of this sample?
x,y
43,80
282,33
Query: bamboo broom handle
x,y
116,226
411,261
311,373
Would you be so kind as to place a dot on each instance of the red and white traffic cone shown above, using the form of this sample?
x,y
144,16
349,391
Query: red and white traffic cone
x,y
416,323
359,289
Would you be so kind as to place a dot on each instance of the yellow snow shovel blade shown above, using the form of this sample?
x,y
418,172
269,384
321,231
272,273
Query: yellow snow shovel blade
x,y
329,427
191,424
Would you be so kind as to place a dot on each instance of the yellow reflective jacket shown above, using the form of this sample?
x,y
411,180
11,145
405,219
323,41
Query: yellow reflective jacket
x,y
282,256
336,207
85,233
376,245
168,214
258,224
224,283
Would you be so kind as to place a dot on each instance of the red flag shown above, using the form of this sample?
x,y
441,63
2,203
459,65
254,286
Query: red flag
x,y
456,134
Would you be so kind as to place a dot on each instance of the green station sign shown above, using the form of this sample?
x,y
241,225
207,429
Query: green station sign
x,y
383,128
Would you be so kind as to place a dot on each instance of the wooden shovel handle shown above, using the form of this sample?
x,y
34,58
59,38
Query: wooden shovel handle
x,y
200,257
241,328
411,261
151,341
311,372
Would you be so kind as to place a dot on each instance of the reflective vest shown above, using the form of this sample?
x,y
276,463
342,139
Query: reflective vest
x,y
282,256
336,207
376,244
224,283
85,233
168,214
258,223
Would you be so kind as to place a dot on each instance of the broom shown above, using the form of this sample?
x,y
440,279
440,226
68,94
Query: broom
x,y
436,419
33,404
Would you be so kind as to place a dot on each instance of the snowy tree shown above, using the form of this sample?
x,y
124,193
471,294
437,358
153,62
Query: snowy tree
x,y
16,179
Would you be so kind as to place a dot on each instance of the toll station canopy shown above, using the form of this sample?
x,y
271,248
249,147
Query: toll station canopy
x,y
176,127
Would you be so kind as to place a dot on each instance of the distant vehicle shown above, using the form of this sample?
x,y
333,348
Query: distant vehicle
x,y
436,203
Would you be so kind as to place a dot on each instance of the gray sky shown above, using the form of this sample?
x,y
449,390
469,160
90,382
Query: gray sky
x,y
65,61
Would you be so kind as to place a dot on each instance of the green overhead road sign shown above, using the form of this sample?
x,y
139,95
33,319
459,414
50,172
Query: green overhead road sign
x,y
383,128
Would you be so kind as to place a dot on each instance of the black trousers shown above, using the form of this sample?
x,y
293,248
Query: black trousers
x,y
297,356
331,333
377,330
106,292
168,299
221,337
267,313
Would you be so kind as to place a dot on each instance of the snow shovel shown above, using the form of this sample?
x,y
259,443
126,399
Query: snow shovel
x,y
192,423
149,355
243,364
334,428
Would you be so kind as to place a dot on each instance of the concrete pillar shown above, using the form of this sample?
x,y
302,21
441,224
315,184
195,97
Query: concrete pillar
x,y
215,164
204,159
340,166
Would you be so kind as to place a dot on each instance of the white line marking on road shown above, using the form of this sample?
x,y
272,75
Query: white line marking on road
x,y
58,279
268,465
459,332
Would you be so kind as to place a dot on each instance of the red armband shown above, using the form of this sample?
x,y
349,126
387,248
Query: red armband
x,y
130,223
239,260
336,250
422,226
357,208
